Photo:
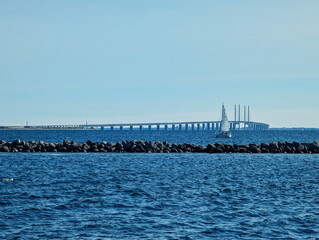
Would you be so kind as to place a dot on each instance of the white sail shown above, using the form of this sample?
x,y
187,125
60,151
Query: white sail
x,y
225,123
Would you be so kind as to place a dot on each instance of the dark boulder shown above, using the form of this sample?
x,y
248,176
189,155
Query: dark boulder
x,y
85,146
254,149
300,148
166,144
218,150
273,145
160,145
210,148
4,149
188,149
264,145
281,144
16,142
243,150
288,149
66,142
14,150
229,148
312,146
119,146
295,144
264,150
200,148
89,142
220,145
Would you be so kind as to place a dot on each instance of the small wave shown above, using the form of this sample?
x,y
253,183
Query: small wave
x,y
62,206
119,205
90,226
225,190
7,179
5,202
34,196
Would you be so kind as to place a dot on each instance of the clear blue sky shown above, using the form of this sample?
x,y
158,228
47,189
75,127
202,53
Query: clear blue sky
x,y
160,60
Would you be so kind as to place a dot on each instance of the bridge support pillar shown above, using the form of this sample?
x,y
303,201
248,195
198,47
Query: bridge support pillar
x,y
102,127
173,127
121,128
193,126
131,128
149,127
141,127
158,127
180,127
166,127
112,128
198,126
186,127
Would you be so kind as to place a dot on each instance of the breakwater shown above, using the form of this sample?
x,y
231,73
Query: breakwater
x,y
157,147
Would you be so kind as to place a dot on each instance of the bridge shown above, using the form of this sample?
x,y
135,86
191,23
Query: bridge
x,y
237,124
202,125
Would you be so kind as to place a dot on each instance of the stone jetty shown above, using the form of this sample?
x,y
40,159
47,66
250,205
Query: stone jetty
x,y
156,147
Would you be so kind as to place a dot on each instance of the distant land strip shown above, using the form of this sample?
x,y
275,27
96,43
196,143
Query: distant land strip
x,y
156,147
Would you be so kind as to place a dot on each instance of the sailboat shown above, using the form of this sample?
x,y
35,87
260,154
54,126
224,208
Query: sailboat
x,y
224,131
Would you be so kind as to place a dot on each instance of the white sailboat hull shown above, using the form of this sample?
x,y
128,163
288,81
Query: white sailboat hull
x,y
223,134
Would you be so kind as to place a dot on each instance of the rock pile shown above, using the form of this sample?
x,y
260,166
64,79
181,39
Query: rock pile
x,y
157,147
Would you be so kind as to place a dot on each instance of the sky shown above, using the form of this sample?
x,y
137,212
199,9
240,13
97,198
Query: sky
x,y
124,61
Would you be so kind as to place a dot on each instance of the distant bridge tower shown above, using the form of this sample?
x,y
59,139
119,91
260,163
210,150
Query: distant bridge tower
x,y
245,122
239,116
244,117
235,116
248,117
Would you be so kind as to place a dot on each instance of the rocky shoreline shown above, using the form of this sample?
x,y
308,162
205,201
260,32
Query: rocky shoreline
x,y
156,147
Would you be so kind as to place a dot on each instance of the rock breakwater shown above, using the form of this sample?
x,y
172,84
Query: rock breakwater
x,y
156,147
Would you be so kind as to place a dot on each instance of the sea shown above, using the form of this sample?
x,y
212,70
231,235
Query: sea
x,y
159,195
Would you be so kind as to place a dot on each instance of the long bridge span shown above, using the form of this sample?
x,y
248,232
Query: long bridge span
x,y
199,125
239,123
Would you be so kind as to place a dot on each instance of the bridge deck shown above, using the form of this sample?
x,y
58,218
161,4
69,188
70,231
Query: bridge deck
x,y
199,125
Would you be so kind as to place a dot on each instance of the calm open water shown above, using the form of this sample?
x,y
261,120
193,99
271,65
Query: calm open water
x,y
158,196
178,137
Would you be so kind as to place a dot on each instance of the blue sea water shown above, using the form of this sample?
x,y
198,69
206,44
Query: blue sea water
x,y
158,196
178,137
